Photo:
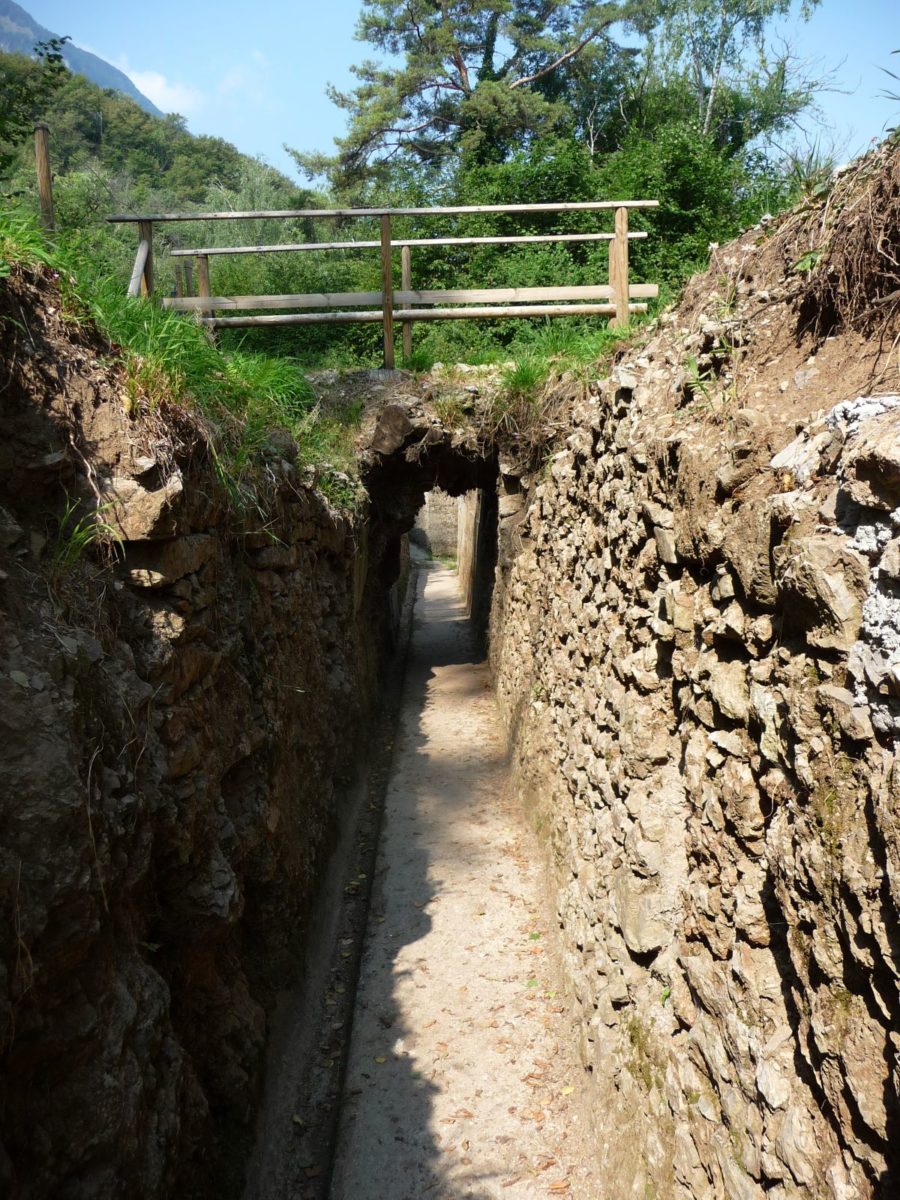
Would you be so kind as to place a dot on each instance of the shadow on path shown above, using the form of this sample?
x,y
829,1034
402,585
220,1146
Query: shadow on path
x,y
455,1086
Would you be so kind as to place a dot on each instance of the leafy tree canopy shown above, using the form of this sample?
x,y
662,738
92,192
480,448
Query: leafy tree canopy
x,y
26,86
718,48
474,77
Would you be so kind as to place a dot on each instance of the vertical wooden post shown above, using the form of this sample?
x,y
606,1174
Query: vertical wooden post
x,y
179,280
188,277
44,178
145,232
406,285
203,280
618,270
387,293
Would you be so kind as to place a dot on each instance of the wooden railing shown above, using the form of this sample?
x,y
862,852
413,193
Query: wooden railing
x,y
617,298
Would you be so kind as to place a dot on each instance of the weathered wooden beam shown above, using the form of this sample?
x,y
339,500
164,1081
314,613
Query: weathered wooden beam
x,y
638,291
303,300
44,174
137,271
387,293
421,314
146,234
203,283
406,287
515,239
517,310
438,210
602,291
618,269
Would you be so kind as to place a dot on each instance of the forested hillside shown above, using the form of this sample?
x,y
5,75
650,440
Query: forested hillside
x,y
20,34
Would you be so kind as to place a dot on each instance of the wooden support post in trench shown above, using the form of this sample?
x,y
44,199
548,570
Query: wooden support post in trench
x,y
44,177
387,293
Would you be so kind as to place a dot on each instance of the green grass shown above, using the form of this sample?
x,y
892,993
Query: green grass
x,y
77,530
21,241
241,396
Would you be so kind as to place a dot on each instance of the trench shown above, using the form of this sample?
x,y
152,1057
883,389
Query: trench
x,y
429,1051
245,917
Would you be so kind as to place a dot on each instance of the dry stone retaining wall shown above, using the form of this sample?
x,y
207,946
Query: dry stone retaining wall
x,y
695,643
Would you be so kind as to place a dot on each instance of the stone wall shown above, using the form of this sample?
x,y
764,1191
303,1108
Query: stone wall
x,y
694,640
180,717
438,520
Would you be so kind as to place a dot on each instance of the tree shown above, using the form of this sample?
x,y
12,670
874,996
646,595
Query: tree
x,y
26,86
719,48
474,78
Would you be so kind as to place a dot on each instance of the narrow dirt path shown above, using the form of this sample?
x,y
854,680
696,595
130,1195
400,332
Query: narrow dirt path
x,y
461,1080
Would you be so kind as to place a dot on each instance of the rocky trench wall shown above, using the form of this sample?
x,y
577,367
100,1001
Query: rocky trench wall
x,y
696,649
438,520
179,726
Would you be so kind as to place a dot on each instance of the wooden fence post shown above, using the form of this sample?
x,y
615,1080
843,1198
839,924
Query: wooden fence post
x,y
188,277
44,178
387,293
179,279
203,280
406,285
618,270
145,232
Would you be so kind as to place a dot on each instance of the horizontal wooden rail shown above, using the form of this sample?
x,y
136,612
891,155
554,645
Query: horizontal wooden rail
x,y
448,210
373,316
283,247
637,291
618,298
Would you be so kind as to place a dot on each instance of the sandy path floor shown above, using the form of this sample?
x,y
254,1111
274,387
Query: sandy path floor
x,y
461,1079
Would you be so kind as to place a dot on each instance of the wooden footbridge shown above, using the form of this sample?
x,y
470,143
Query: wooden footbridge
x,y
617,298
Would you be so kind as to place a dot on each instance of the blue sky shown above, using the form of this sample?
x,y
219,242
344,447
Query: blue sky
x,y
256,73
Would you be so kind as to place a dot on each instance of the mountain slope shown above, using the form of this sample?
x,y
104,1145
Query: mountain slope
x,y
19,33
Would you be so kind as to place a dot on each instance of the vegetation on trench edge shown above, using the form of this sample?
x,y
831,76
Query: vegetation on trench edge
x,y
240,396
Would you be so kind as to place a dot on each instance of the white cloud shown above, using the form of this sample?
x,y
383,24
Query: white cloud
x,y
167,94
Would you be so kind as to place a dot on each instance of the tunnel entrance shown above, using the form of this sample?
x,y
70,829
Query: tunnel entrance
x,y
461,531
438,486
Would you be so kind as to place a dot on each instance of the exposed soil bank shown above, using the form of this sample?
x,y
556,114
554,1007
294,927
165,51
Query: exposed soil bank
x,y
179,725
